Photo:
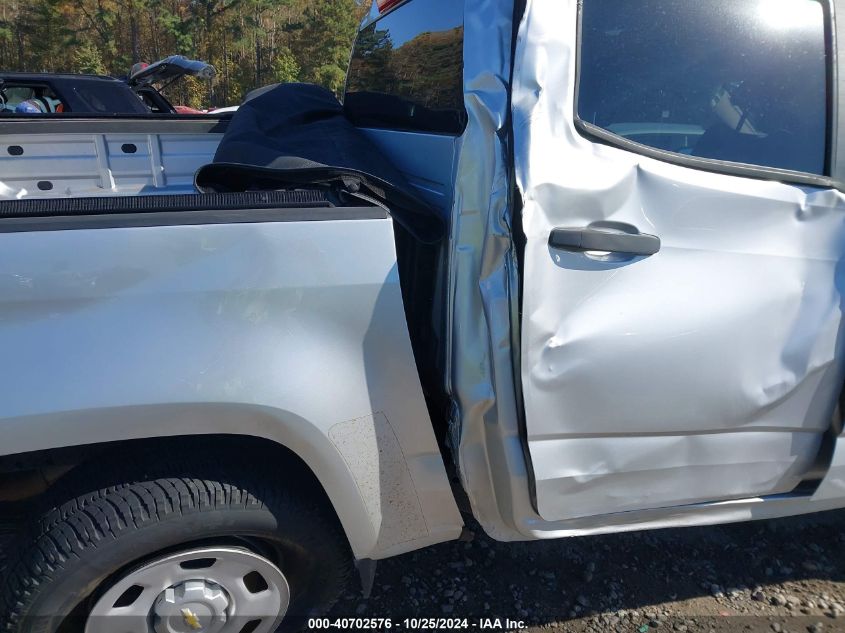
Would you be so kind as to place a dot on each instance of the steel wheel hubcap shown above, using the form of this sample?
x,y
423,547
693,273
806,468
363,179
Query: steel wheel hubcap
x,y
203,590
193,605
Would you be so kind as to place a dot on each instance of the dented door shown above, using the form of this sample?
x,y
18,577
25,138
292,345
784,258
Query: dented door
x,y
682,313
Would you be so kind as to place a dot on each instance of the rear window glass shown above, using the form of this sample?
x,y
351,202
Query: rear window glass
x,y
742,81
407,70
109,98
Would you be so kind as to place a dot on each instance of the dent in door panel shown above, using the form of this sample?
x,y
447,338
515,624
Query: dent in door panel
x,y
705,372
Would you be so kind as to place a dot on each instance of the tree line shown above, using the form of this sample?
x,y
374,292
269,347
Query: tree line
x,y
251,43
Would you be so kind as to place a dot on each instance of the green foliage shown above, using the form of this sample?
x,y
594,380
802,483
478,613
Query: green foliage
x,y
251,43
176,30
327,30
87,59
285,67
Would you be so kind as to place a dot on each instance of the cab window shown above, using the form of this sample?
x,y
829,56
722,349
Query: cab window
x,y
728,80
406,70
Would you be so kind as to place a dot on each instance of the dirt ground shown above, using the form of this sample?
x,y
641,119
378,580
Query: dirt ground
x,y
781,576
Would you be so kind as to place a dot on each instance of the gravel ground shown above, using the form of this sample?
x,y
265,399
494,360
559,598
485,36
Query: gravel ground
x,y
782,576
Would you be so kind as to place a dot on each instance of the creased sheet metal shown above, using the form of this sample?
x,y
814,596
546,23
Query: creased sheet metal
x,y
704,373
483,282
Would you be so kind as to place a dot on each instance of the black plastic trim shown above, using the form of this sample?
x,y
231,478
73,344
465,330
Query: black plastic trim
x,y
110,205
62,214
189,218
833,99
837,117
166,124
596,133
706,164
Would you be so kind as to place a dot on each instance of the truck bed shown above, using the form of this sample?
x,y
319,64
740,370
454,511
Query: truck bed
x,y
73,158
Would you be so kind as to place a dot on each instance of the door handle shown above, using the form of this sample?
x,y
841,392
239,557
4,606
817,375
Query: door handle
x,y
640,244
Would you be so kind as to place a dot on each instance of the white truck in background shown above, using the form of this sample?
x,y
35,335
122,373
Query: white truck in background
x,y
212,405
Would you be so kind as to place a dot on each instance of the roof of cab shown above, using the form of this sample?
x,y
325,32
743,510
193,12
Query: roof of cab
x,y
22,76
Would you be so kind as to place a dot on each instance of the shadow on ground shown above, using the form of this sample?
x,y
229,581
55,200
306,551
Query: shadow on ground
x,y
781,575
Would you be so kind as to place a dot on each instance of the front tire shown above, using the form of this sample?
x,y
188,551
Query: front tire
x,y
99,535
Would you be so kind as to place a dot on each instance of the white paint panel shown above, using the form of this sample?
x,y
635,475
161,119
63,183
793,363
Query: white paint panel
x,y
290,331
706,372
87,165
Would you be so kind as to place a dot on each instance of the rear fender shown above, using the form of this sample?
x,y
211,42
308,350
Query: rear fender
x,y
284,329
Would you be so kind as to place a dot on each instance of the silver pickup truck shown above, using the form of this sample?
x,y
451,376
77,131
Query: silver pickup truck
x,y
211,414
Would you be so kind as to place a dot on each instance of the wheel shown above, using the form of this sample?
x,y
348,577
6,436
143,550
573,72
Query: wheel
x,y
186,549
209,589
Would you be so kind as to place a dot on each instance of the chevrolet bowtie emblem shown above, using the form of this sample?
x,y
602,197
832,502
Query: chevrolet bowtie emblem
x,y
191,619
